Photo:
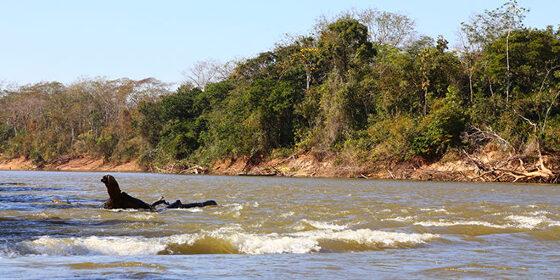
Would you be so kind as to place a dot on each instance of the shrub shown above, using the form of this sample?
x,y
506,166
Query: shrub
x,y
5,134
442,128
385,139
393,137
552,135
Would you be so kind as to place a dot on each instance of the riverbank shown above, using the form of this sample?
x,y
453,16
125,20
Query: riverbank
x,y
487,165
74,164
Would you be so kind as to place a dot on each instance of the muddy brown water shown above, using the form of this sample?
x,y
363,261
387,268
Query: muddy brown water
x,y
276,228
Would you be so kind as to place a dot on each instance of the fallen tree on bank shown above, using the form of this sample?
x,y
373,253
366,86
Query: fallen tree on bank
x,y
529,165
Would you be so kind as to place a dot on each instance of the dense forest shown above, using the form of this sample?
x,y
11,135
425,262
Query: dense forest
x,y
363,88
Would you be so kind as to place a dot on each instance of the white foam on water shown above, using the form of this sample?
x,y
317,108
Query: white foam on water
x,y
306,242
539,213
93,245
272,244
443,223
6,252
234,206
309,241
383,239
435,210
400,219
143,216
257,225
192,210
554,223
237,207
42,215
233,209
288,214
531,222
324,225
514,221
123,210
246,243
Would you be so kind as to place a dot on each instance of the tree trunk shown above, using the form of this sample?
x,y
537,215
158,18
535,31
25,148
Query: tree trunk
x,y
308,81
508,75
425,102
471,85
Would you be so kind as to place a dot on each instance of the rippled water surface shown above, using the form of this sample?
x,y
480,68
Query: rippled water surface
x,y
52,226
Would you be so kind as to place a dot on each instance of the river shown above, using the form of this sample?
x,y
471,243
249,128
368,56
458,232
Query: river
x,y
277,228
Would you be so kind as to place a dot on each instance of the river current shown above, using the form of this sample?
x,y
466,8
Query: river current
x,y
52,226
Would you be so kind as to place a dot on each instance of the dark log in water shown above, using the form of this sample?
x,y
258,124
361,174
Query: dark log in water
x,y
178,204
122,200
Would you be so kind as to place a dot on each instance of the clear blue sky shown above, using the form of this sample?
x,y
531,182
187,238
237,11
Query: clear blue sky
x,y
42,40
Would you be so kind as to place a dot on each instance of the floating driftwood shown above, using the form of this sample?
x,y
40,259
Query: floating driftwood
x,y
121,200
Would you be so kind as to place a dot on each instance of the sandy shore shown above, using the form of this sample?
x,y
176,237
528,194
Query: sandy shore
x,y
77,164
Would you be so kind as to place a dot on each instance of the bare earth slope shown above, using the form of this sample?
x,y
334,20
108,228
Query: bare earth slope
x,y
475,167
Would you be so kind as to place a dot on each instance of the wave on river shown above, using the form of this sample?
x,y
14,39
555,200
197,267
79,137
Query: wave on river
x,y
227,240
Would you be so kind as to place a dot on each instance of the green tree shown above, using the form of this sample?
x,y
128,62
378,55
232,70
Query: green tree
x,y
344,44
534,57
442,128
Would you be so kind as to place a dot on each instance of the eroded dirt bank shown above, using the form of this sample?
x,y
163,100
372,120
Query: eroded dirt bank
x,y
487,165
75,164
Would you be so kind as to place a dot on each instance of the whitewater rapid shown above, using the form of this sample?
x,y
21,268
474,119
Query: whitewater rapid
x,y
228,240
